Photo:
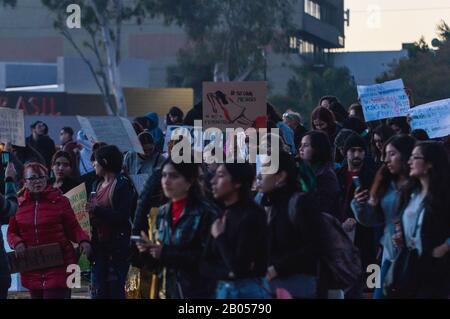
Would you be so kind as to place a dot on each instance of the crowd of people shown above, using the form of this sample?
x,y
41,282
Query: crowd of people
x,y
377,190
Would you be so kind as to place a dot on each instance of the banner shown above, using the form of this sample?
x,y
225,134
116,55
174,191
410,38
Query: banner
x,y
234,104
78,199
432,117
12,128
113,131
383,101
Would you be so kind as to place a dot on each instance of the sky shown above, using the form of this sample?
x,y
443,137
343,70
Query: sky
x,y
379,25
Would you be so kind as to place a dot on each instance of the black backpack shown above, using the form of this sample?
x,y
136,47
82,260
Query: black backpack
x,y
340,260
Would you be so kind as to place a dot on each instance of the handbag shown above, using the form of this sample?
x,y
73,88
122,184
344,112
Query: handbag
x,y
401,279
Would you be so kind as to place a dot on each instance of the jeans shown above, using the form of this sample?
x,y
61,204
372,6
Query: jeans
x,y
252,288
109,274
378,293
299,286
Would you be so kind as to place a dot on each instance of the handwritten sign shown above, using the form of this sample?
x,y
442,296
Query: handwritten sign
x,y
382,101
12,128
39,257
78,198
233,104
139,181
432,117
113,131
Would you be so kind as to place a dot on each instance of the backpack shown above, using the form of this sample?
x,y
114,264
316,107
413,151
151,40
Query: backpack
x,y
340,261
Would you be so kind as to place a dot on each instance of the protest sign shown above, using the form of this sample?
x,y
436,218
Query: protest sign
x,y
385,100
234,104
433,117
113,131
78,199
39,257
12,128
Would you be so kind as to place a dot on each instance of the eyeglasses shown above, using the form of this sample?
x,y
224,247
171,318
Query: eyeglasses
x,y
35,178
413,158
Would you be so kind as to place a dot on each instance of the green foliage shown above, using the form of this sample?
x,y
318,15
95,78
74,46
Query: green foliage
x,y
232,32
309,84
425,71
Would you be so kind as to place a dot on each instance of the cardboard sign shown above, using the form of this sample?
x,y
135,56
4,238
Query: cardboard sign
x,y
233,104
78,199
36,258
383,101
113,131
12,128
432,117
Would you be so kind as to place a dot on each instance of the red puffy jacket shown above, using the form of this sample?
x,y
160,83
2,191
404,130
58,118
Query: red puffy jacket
x,y
48,220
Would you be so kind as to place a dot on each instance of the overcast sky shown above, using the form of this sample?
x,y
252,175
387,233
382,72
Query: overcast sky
x,y
386,24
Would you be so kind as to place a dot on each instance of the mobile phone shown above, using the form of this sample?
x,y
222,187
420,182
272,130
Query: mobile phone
x,y
356,181
5,158
136,238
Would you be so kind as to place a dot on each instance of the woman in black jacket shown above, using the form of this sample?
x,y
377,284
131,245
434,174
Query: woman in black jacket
x,y
236,254
182,230
425,223
294,240
111,206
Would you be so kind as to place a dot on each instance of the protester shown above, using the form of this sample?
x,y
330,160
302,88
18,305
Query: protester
x,y
332,103
8,207
339,143
425,224
152,160
236,254
420,135
40,141
286,133
380,206
175,116
356,110
45,217
183,228
66,139
379,136
85,165
63,168
90,178
294,121
294,241
155,131
399,125
323,119
316,150
111,206
359,166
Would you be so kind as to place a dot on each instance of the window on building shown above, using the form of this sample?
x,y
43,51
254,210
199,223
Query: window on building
x,y
313,9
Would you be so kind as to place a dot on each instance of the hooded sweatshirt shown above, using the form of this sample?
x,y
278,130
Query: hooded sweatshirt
x,y
155,131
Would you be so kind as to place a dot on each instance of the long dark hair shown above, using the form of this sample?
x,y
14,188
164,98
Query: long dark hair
x,y
323,152
385,132
244,174
437,198
324,114
405,145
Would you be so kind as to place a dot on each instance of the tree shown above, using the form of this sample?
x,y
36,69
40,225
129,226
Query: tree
x,y
102,20
309,84
230,35
425,71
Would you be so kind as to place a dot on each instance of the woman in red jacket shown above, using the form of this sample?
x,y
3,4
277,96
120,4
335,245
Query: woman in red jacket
x,y
45,217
